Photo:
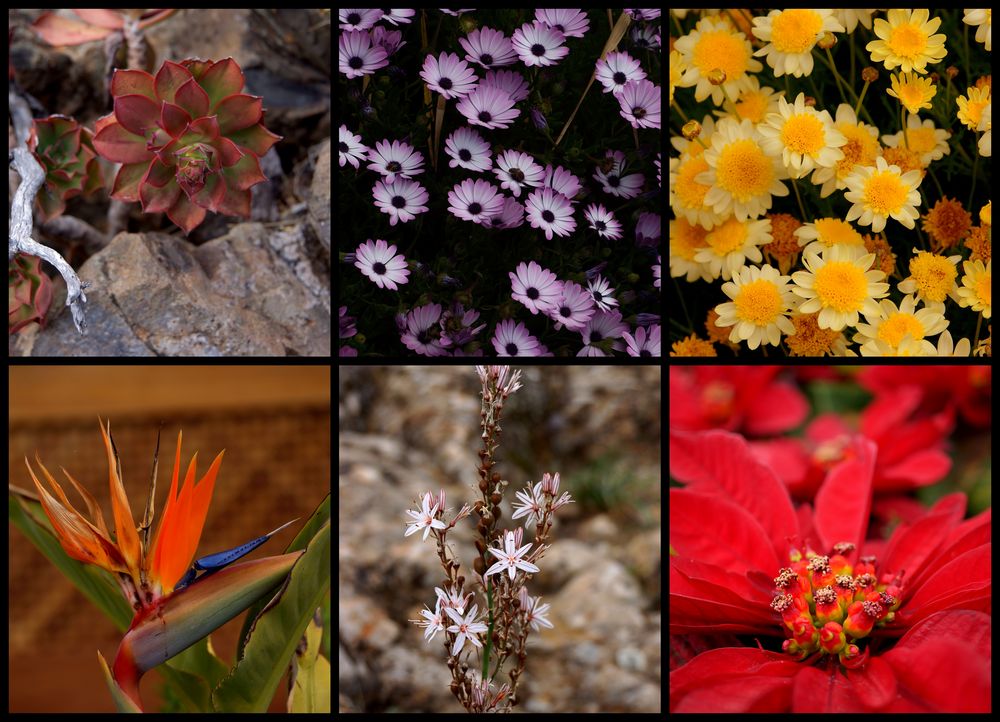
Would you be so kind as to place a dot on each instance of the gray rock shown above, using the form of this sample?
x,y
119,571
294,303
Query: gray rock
x,y
156,295
319,198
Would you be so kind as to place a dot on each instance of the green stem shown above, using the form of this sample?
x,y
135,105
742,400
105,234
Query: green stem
x,y
975,173
795,185
489,633
902,127
862,96
836,76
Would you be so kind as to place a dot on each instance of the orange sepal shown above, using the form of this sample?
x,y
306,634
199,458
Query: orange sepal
x,y
126,535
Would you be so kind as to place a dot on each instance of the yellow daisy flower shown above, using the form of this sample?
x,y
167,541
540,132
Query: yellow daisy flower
x,y
970,107
881,193
755,103
861,148
687,195
805,138
850,18
946,346
730,244
790,37
715,45
913,91
761,300
977,284
827,232
932,277
907,40
685,241
986,124
891,324
677,67
929,142
984,19
742,177
839,284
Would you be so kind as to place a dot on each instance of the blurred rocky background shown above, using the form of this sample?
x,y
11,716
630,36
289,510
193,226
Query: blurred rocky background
x,y
408,430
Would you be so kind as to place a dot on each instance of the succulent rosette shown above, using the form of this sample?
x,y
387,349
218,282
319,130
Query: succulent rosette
x,y
189,140
29,292
65,150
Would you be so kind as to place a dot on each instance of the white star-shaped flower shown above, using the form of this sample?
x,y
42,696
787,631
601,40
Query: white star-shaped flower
x,y
424,519
466,627
510,558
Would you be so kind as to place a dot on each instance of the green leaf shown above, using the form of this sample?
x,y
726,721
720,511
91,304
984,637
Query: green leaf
x,y
311,672
276,632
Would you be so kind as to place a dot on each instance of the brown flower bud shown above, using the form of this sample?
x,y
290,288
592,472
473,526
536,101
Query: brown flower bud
x,y
810,101
482,527
482,485
479,565
717,76
935,78
496,497
497,512
480,547
516,603
952,71
461,582
691,130
827,40
869,75
495,478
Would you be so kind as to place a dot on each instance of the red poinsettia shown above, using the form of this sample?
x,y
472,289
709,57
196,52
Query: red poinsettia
x,y
839,611
966,388
189,139
910,445
737,398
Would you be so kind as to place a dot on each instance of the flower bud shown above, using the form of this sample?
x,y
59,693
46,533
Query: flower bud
x,y
691,130
827,40
810,101
832,638
869,75
495,497
952,71
717,76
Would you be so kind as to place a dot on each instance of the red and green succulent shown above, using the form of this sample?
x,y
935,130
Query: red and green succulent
x,y
189,140
29,293
65,151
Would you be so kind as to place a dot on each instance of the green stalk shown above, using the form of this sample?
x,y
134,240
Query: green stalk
x,y
489,633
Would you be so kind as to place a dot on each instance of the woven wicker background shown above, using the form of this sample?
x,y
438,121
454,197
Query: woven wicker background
x,y
274,423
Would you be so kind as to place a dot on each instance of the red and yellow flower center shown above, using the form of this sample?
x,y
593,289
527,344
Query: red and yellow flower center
x,y
826,604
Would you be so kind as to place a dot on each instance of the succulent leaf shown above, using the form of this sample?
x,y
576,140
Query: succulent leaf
x,y
66,153
29,293
189,128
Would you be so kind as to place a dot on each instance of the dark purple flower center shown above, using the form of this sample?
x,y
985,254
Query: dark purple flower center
x,y
355,62
464,154
393,166
614,181
378,267
485,117
475,209
424,336
353,19
599,225
344,147
645,352
516,174
496,221
559,28
548,216
486,59
641,42
445,83
565,311
595,336
639,112
398,202
532,293
538,50
511,349
597,296
619,78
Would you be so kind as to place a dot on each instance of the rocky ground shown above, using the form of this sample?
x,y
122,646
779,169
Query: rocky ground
x,y
406,430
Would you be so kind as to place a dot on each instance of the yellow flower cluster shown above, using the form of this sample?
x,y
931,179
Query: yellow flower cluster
x,y
781,166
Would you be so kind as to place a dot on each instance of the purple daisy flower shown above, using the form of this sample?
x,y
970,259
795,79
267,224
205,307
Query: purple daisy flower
x,y
489,107
355,19
642,14
511,216
602,326
640,103
473,200
347,327
395,159
397,17
420,331
551,212
538,44
352,150
645,37
389,40
509,81
603,221
468,150
570,22
562,181
647,230
536,287
449,75
517,170
616,69
514,340
357,55
643,343
614,182
656,273
600,291
456,326
489,48
346,351
380,263
401,199
573,308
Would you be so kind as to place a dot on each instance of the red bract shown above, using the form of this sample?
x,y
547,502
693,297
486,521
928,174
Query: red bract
x,y
734,527
735,398
966,388
910,446
66,154
188,138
